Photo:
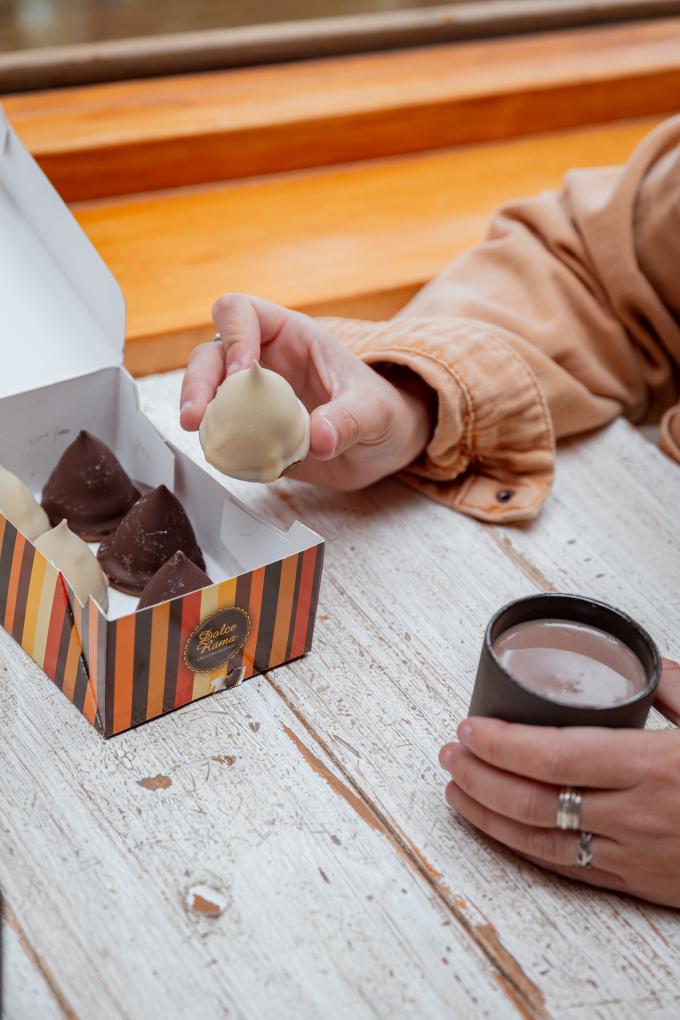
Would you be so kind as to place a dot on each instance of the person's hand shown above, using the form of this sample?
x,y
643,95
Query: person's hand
x,y
362,426
507,778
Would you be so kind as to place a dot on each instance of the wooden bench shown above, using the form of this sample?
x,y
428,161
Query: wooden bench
x,y
204,183
134,136
357,240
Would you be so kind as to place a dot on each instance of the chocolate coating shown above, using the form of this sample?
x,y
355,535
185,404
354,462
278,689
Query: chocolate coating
x,y
178,576
88,488
255,428
151,532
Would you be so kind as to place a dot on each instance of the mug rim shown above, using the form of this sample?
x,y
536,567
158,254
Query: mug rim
x,y
655,672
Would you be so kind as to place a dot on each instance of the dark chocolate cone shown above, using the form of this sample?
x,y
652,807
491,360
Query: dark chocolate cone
x,y
89,489
178,576
151,532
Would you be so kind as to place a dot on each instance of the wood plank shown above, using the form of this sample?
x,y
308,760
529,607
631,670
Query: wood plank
x,y
408,589
578,544
307,38
26,990
216,865
357,240
147,135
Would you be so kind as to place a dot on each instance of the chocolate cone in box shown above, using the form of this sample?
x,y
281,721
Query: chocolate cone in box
x,y
178,576
89,489
150,533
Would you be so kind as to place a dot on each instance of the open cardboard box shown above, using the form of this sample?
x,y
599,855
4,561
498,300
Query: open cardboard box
x,y
62,330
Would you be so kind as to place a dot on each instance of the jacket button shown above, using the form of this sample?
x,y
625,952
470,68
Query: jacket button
x,y
505,495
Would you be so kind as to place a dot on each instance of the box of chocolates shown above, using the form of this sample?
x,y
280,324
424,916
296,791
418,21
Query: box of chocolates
x,y
129,574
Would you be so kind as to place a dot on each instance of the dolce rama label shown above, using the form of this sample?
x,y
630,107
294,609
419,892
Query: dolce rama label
x,y
217,639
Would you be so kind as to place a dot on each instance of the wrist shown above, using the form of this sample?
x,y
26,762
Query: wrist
x,y
416,414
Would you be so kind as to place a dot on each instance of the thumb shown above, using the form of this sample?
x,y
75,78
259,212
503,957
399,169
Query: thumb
x,y
668,692
356,416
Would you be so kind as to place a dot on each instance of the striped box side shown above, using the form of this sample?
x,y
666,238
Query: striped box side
x,y
43,615
146,672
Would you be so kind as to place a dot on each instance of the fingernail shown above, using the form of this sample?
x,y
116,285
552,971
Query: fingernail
x,y
238,364
450,795
465,733
334,434
445,757
185,407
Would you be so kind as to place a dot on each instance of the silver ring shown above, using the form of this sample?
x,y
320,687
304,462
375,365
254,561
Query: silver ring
x,y
217,339
584,857
569,809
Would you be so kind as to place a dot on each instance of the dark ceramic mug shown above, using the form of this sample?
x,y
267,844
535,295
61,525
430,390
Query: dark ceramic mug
x,y
498,694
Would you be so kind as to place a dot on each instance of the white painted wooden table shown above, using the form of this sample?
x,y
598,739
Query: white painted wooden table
x,y
284,850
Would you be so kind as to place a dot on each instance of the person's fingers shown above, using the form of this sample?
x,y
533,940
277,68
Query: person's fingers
x,y
248,324
525,800
204,374
573,756
545,844
590,876
357,415
238,324
323,437
668,692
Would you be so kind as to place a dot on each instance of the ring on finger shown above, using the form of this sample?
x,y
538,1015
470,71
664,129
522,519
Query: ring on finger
x,y
569,809
217,339
584,855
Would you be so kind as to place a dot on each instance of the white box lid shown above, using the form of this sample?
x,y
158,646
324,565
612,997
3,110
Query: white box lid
x,y
62,313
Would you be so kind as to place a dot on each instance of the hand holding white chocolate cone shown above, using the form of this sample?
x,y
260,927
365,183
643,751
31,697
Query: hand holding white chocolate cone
x,y
363,426
20,508
77,562
255,429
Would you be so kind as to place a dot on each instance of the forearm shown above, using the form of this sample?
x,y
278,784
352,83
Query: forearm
x,y
549,328
419,407
491,453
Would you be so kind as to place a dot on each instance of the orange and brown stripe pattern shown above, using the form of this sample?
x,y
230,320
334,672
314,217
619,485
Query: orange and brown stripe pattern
x,y
43,615
121,673
147,674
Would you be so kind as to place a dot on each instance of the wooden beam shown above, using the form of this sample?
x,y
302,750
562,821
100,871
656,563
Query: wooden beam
x,y
170,132
357,240
304,38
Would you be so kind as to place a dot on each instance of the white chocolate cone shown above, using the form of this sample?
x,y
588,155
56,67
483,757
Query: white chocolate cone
x,y
19,507
256,427
77,562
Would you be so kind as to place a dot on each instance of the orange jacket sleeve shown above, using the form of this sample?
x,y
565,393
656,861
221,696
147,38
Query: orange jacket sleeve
x,y
567,315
